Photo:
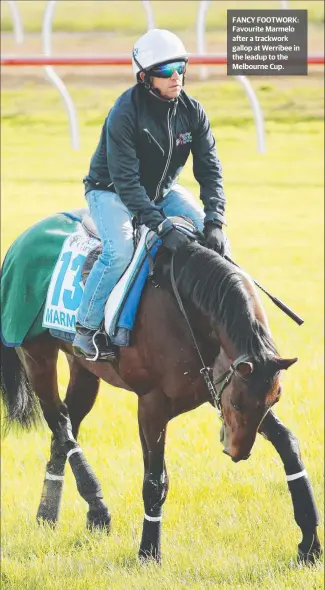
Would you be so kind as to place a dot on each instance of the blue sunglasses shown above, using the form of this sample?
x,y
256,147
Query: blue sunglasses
x,y
167,70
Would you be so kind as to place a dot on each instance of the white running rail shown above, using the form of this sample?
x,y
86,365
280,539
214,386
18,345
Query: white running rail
x,y
55,79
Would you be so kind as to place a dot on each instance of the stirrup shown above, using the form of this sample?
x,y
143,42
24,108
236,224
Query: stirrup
x,y
100,355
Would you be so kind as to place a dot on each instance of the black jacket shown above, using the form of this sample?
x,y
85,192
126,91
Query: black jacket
x,y
143,147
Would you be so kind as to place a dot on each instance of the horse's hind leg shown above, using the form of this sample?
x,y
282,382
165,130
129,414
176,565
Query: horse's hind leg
x,y
305,511
80,398
50,504
40,360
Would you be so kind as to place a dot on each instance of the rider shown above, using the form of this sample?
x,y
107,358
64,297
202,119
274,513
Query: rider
x,y
144,144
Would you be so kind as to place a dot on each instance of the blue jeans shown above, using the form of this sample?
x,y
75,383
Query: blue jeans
x,y
114,224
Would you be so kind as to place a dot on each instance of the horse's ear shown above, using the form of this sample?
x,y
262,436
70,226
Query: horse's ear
x,y
245,368
283,364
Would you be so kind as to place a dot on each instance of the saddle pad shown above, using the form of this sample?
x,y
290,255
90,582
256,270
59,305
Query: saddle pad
x,y
66,287
118,294
122,304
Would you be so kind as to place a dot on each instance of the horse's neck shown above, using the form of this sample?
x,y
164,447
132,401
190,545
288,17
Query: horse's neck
x,y
258,309
228,350
226,344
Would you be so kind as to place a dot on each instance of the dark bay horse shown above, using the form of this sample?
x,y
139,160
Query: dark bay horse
x,y
163,368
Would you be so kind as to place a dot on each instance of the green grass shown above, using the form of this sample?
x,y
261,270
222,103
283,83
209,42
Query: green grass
x,y
129,16
225,526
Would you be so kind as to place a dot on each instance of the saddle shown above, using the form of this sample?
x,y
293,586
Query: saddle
x,y
122,304
182,223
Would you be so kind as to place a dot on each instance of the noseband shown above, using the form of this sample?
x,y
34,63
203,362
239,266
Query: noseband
x,y
226,377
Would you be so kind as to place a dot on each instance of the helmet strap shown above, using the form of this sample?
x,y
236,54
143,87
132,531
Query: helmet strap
x,y
147,81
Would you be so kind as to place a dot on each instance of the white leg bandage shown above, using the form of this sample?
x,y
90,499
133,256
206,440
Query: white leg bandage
x,y
153,518
297,475
53,477
72,451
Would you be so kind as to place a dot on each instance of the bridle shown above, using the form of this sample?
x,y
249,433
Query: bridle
x,y
226,377
205,371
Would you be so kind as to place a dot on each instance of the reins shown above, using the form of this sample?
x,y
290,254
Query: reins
x,y
205,371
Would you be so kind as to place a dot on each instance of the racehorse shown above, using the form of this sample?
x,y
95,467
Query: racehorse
x,y
201,335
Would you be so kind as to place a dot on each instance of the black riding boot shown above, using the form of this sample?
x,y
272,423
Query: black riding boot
x,y
93,344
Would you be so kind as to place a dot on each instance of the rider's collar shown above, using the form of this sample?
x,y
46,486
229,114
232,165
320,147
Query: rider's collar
x,y
156,94
157,99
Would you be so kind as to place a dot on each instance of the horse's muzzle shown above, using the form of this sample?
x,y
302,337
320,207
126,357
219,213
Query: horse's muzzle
x,y
237,459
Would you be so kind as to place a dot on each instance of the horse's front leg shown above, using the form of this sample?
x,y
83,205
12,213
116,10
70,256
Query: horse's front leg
x,y
153,418
87,483
305,511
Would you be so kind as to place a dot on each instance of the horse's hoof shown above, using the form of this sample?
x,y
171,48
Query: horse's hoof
x,y
309,555
99,520
148,557
41,520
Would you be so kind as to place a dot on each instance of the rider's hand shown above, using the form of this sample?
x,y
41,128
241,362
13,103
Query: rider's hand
x,y
171,237
214,237
174,240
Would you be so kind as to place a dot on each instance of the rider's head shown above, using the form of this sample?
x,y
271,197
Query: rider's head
x,y
159,62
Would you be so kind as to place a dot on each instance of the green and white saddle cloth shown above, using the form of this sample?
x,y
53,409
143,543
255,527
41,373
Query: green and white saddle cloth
x,y
26,273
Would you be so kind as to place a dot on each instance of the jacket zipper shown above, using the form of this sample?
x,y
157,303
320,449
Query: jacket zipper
x,y
169,118
155,141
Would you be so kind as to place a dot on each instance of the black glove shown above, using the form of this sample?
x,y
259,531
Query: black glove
x,y
172,238
215,238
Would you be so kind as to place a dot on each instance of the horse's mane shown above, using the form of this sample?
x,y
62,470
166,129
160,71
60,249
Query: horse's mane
x,y
218,291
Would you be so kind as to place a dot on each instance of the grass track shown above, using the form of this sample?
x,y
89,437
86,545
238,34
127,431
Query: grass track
x,y
225,526
119,15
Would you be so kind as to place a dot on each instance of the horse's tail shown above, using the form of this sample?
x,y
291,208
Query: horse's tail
x,y
21,405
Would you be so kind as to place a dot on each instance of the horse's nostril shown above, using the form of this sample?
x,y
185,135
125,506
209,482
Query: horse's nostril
x,y
236,459
243,458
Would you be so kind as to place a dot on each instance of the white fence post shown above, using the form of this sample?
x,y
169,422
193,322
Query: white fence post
x,y
53,76
200,33
256,108
257,112
149,14
18,25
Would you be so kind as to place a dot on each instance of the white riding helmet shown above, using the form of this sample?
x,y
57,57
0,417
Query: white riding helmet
x,y
155,47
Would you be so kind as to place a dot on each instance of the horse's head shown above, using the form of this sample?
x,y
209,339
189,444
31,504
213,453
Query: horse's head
x,y
247,391
227,317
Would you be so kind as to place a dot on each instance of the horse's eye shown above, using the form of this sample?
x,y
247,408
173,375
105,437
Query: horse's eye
x,y
278,395
236,407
